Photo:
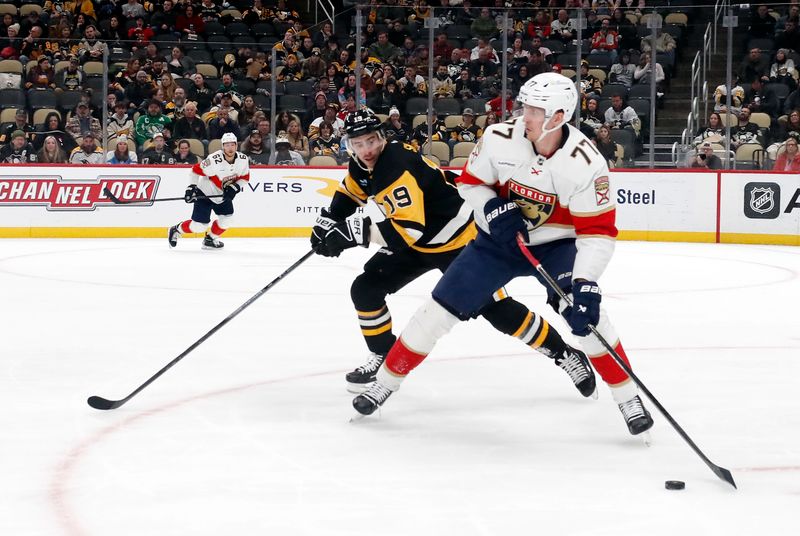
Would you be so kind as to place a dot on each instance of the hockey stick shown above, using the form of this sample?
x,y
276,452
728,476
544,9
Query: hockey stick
x,y
117,201
98,402
721,472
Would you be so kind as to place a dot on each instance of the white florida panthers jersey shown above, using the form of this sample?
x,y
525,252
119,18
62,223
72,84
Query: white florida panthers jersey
x,y
215,172
566,195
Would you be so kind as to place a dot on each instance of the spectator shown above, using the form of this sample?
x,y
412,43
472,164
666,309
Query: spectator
x,y
121,153
643,72
133,9
721,97
82,122
745,131
442,49
140,35
412,85
521,76
713,133
537,65
179,64
158,152
282,15
175,107
540,25
442,86
31,47
607,147
266,134
292,71
209,11
314,67
792,102
518,56
91,48
141,90
457,63
395,129
783,70
119,123
324,34
190,24
606,40
330,116
762,25
563,28
483,44
285,47
87,152
41,76
484,26
466,86
791,127
383,49
483,70
761,98
168,85
253,148
18,151
200,93
754,65
591,86
298,140
52,126
467,130
439,132
222,123
247,112
127,75
621,116
496,104
185,154
163,20
284,156
665,45
591,118
71,78
789,159
624,28
150,123
51,152
622,72
790,37
491,119
706,159
20,123
326,144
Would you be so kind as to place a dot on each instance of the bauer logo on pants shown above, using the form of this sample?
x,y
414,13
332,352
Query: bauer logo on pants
x,y
762,200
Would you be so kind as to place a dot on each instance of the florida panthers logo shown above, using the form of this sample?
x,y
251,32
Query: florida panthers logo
x,y
535,205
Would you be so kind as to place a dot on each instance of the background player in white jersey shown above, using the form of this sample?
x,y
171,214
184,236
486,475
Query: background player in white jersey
x,y
223,172
427,225
538,176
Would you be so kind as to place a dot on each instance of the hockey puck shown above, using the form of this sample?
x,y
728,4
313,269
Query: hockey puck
x,y
674,484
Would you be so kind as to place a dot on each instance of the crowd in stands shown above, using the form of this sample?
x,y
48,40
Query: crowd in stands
x,y
181,73
764,97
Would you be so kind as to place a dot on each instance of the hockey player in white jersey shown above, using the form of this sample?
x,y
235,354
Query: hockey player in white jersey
x,y
224,172
539,176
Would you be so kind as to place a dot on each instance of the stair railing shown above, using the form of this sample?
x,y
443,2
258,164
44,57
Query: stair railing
x,y
330,15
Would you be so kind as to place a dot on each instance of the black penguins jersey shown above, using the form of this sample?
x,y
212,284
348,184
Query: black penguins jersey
x,y
422,207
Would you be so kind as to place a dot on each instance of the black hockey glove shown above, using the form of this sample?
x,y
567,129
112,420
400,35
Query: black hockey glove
x,y
230,191
585,307
352,232
321,227
505,220
192,194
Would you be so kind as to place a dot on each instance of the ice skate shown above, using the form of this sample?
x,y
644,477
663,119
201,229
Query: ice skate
x,y
210,242
576,365
363,377
172,237
636,416
371,399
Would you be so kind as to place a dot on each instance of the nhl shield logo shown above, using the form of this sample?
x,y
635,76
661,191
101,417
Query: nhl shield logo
x,y
762,200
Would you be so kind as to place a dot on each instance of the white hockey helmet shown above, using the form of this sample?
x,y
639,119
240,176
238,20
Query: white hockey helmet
x,y
551,92
229,137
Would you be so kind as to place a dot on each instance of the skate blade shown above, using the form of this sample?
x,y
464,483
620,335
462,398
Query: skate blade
x,y
595,395
356,418
646,438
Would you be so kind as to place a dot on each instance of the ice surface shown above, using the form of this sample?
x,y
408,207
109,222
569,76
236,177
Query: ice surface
x,y
249,434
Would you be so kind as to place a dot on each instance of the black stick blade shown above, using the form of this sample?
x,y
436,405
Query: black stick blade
x,y
114,199
725,475
98,402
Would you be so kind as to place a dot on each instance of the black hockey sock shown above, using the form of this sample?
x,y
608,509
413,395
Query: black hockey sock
x,y
514,319
376,327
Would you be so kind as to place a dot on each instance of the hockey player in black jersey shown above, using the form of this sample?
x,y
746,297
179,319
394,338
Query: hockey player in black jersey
x,y
427,225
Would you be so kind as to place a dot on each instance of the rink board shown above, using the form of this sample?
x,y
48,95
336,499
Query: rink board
x,y
675,205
